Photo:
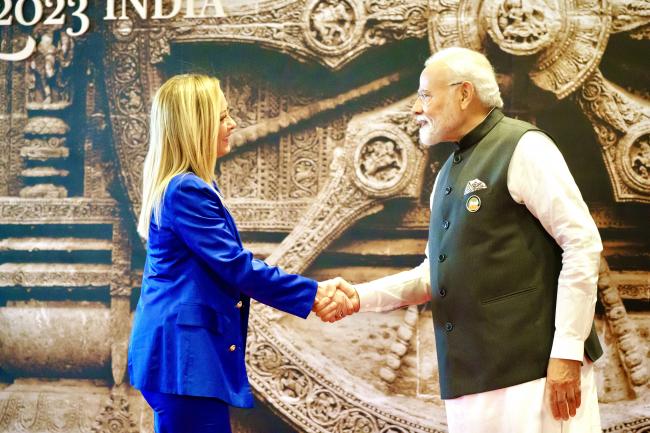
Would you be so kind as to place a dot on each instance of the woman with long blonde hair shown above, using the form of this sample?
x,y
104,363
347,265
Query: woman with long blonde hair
x,y
186,352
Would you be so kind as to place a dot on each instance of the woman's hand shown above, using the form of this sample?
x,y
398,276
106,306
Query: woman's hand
x,y
335,299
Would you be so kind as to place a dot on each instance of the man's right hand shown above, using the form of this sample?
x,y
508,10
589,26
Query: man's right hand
x,y
563,387
335,299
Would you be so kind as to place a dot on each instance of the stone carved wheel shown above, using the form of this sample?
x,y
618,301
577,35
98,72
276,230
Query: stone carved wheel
x,y
351,167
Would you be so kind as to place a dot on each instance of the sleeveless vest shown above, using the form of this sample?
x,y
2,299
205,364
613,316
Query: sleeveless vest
x,y
494,270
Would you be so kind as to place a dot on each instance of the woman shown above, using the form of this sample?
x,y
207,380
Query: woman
x,y
186,352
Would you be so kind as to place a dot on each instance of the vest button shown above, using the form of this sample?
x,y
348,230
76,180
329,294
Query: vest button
x,y
443,293
442,258
445,224
232,348
449,326
239,304
457,158
448,190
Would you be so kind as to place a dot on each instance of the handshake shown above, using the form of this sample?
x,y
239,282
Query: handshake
x,y
335,299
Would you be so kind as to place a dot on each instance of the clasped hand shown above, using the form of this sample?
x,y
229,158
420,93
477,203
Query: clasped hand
x,y
335,299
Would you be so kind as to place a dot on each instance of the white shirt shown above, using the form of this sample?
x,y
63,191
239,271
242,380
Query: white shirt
x,y
539,179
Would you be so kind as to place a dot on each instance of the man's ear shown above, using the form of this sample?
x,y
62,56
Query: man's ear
x,y
467,94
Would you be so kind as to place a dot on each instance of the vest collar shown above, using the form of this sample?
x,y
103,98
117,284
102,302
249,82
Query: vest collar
x,y
480,131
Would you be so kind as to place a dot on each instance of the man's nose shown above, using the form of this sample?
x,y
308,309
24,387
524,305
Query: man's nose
x,y
417,106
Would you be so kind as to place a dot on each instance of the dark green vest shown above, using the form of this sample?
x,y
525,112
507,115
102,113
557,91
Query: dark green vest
x,y
494,271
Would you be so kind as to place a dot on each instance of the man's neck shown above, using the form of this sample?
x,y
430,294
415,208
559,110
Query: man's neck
x,y
474,120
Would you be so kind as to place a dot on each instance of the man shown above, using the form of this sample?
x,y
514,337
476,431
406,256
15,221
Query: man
x,y
511,268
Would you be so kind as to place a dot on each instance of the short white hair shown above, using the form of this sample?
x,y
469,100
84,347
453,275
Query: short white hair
x,y
472,66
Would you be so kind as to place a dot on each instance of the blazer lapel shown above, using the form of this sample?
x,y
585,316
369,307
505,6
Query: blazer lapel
x,y
229,219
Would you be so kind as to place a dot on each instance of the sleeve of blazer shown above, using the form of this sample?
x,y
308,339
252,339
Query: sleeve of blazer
x,y
198,219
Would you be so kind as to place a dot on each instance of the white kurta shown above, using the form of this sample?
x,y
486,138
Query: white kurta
x,y
539,179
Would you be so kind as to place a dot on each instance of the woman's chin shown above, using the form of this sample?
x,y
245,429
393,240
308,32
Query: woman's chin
x,y
223,150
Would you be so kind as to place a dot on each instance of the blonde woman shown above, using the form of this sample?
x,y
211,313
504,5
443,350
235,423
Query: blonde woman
x,y
186,352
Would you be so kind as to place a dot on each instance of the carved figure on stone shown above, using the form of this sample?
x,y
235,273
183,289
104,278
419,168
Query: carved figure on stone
x,y
381,160
304,176
332,22
242,104
48,70
640,157
130,100
525,25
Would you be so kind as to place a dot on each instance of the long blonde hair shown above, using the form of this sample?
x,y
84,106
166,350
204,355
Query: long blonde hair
x,y
184,132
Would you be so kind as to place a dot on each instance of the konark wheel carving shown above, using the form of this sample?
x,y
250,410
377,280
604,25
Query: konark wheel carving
x,y
636,156
622,123
455,23
380,164
569,39
571,59
525,27
332,26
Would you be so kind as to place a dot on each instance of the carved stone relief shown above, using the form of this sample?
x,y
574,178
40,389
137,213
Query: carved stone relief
x,y
526,27
622,123
332,26
297,168
48,73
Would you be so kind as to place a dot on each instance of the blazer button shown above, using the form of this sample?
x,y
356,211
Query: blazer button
x,y
449,326
445,224
443,293
442,258
232,348
457,158
239,304
448,190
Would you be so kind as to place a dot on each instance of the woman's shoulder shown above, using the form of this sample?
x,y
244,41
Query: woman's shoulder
x,y
188,186
188,183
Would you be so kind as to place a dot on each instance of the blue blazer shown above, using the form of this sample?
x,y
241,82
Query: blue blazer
x,y
190,325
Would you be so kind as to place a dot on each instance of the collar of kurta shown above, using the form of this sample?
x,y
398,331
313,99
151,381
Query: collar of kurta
x,y
480,131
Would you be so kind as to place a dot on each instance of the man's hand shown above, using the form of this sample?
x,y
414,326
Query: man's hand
x,y
563,387
335,299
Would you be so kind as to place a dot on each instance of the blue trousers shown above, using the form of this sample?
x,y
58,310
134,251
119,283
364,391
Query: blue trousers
x,y
188,414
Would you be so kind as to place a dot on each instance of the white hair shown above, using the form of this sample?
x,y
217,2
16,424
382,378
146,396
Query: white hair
x,y
472,66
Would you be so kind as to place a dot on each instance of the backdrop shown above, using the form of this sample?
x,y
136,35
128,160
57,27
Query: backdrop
x,y
326,178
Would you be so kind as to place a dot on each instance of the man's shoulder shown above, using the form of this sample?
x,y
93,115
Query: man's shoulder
x,y
518,124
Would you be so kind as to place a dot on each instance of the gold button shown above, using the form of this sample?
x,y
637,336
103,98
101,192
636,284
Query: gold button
x,y
239,304
232,348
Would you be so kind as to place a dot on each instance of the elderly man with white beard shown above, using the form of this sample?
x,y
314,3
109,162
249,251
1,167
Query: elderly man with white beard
x,y
511,264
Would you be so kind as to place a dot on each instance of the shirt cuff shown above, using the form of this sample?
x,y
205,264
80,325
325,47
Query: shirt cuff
x,y
367,298
568,348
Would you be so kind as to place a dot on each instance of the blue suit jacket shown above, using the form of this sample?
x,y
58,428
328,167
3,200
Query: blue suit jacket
x,y
189,331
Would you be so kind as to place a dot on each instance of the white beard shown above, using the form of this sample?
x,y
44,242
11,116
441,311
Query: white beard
x,y
426,136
